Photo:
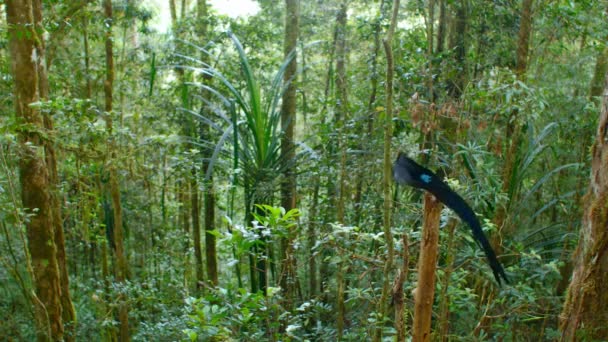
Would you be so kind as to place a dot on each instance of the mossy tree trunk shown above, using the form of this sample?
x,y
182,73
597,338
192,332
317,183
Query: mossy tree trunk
x,y
24,45
68,311
584,315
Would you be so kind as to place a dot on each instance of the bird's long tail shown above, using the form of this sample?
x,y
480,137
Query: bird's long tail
x,y
453,201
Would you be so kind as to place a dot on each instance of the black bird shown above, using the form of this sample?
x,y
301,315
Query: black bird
x,y
407,171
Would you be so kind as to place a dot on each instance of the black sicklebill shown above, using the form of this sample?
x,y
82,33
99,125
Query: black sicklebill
x,y
407,171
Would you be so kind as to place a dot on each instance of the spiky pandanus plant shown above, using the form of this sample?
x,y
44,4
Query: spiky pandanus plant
x,y
254,126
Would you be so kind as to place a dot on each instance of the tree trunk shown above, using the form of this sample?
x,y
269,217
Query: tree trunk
x,y
458,42
313,286
525,27
387,170
33,171
288,106
398,295
196,230
288,122
210,250
183,8
87,58
209,195
68,311
584,315
121,259
341,109
430,31
173,13
427,264
601,67
441,28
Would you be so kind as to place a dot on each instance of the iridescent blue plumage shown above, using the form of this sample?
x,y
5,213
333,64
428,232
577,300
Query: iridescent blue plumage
x,y
407,171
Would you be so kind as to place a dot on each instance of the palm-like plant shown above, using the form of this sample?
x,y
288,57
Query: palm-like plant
x,y
254,125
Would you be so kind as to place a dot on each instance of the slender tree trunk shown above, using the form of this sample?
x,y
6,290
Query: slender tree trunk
x,y
184,7
458,44
341,111
288,153
430,31
183,221
329,184
210,249
341,284
87,58
288,106
584,312
24,45
441,27
173,13
525,27
313,286
121,258
312,227
387,170
427,264
398,294
341,104
196,230
202,14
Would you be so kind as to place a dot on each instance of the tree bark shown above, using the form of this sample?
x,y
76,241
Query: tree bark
x,y
601,66
288,152
68,311
584,315
288,106
209,197
427,264
524,38
24,47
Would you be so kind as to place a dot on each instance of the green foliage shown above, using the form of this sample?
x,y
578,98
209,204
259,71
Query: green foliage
x,y
234,89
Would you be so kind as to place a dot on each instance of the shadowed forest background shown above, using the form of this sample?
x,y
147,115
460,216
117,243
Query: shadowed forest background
x,y
229,178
